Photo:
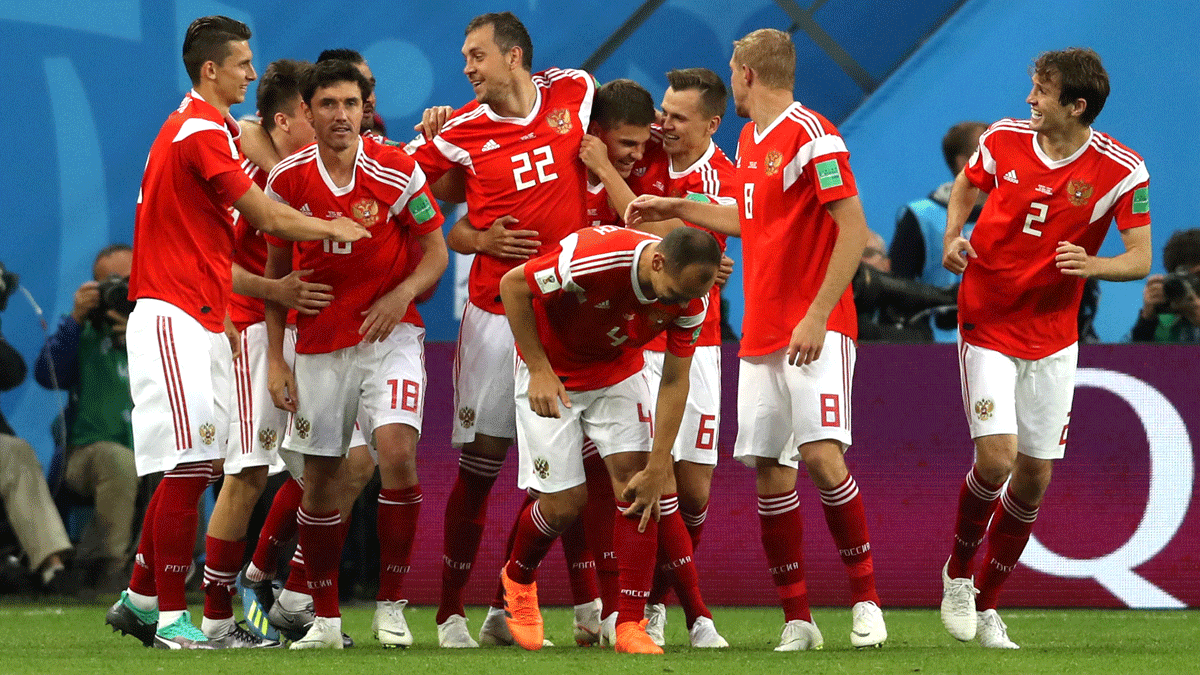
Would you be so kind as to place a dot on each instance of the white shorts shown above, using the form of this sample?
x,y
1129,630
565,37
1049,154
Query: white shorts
x,y
180,377
697,438
294,461
385,381
483,377
781,407
617,419
1031,399
256,426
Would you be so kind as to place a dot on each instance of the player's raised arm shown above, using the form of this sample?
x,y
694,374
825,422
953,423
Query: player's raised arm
x,y
955,247
545,389
283,221
720,218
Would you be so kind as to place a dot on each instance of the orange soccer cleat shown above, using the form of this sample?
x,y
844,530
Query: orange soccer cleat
x,y
521,613
633,639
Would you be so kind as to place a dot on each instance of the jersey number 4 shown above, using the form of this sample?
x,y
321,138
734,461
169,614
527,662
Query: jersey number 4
x,y
535,163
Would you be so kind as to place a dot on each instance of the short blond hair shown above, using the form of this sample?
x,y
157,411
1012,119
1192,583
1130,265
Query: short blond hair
x,y
771,55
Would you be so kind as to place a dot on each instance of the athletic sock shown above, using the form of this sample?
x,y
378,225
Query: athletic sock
x,y
278,530
462,530
847,521
397,527
636,553
223,560
534,539
675,547
782,538
175,531
1006,540
320,538
977,501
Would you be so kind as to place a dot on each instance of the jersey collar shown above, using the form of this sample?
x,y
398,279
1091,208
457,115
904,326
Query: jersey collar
x,y
1059,163
712,148
341,191
758,136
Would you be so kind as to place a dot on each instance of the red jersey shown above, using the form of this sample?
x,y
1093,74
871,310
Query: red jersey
x,y
788,173
647,177
183,226
711,179
528,168
1013,299
593,318
249,251
389,196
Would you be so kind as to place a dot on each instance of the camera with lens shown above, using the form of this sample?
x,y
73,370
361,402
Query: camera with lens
x,y
9,282
1179,285
114,295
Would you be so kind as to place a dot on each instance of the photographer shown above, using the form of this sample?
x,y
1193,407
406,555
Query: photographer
x,y
892,308
1171,303
25,501
87,357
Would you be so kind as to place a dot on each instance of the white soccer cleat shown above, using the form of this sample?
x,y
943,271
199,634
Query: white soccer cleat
x,y
389,625
799,635
608,631
656,623
958,606
703,635
324,633
993,632
453,633
868,629
494,631
587,623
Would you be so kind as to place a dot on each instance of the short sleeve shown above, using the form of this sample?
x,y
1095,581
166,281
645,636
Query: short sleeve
x,y
212,155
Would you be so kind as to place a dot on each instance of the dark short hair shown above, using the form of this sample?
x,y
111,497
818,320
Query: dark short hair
x,y
1081,76
279,88
509,32
341,54
1182,250
686,245
107,251
207,39
962,139
327,73
623,102
712,90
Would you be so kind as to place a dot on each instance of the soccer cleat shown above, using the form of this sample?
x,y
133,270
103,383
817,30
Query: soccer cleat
x,y
453,633
130,620
390,626
292,624
958,606
258,597
703,635
799,635
522,614
325,633
182,634
656,623
632,639
608,631
868,628
239,637
993,632
494,631
587,623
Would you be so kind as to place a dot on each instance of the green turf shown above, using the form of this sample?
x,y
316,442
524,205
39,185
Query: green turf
x,y
46,638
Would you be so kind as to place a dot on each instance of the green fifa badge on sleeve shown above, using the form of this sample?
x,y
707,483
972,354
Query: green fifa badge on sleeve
x,y
698,197
828,174
1141,200
421,208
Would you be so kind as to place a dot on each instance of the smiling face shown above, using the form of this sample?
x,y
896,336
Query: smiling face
x,y
1046,113
686,127
234,74
487,68
626,144
336,113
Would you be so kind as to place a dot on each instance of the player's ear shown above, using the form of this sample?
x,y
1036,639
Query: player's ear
x,y
282,121
1078,107
714,124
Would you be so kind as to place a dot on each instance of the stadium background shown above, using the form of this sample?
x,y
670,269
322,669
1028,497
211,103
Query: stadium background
x,y
90,82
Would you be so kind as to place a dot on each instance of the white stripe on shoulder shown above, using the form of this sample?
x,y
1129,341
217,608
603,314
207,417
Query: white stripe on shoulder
x,y
821,146
303,156
1135,178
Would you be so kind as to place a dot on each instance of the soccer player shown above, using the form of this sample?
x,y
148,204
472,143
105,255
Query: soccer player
x,y
797,201
362,357
623,157
257,425
180,353
581,317
517,146
1054,184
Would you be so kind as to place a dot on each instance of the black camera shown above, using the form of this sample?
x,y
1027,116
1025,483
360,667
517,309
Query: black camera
x,y
114,295
1180,284
9,282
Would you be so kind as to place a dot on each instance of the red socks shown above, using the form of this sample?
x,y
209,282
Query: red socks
x,y
279,528
321,539
847,522
223,561
175,531
636,553
782,538
533,540
397,526
1006,540
466,516
977,501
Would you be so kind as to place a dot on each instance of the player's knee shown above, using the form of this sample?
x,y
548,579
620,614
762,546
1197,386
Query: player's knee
x,y
560,509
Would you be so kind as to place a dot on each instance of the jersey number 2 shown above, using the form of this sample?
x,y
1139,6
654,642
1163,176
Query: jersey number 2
x,y
1037,215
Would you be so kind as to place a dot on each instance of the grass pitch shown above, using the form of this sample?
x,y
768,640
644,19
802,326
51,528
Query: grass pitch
x,y
72,638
